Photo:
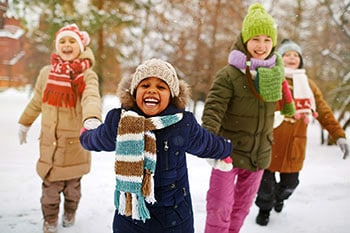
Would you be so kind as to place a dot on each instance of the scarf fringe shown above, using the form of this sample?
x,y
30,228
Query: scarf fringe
x,y
151,198
131,204
146,183
287,105
117,201
128,204
59,96
143,212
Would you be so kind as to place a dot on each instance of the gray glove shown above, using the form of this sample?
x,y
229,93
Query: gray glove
x,y
22,133
344,146
91,123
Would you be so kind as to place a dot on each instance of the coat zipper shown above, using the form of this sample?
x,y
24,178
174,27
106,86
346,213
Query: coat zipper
x,y
166,157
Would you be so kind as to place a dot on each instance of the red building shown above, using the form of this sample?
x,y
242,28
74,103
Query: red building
x,y
12,53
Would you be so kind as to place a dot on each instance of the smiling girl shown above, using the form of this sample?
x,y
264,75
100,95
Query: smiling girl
x,y
281,179
240,106
151,134
67,96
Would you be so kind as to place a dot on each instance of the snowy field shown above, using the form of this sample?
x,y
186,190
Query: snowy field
x,y
321,203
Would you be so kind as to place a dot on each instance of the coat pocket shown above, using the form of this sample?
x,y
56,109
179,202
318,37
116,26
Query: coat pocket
x,y
74,153
298,149
173,216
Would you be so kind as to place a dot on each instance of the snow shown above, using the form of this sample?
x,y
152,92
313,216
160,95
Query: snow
x,y
12,32
320,203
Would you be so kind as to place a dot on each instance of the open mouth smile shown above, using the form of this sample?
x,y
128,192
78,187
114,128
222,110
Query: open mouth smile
x,y
151,101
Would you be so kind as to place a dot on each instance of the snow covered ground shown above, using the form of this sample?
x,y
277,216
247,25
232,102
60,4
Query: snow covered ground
x,y
321,203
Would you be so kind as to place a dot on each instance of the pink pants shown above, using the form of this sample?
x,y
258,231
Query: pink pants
x,y
229,199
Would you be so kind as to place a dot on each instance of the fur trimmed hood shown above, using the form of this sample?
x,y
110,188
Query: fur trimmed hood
x,y
128,100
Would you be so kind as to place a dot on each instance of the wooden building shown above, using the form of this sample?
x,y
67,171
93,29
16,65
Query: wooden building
x,y
12,52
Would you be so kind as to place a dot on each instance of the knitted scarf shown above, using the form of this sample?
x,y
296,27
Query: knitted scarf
x,y
269,82
65,82
136,162
303,96
239,60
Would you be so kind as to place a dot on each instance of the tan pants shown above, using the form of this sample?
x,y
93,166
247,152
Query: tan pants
x,y
51,197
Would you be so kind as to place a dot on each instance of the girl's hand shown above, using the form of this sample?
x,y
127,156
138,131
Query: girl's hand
x,y
224,165
228,159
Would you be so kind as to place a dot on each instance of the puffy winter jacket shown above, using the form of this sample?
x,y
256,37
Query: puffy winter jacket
x,y
61,155
231,110
173,206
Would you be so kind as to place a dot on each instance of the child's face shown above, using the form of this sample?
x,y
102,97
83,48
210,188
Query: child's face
x,y
152,96
68,48
291,59
259,47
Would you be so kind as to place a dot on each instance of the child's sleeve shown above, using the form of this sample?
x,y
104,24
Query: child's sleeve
x,y
217,101
205,144
91,100
104,137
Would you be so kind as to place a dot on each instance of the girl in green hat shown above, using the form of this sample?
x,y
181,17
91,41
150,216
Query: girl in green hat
x,y
240,106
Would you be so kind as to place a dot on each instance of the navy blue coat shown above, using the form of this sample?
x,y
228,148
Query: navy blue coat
x,y
173,209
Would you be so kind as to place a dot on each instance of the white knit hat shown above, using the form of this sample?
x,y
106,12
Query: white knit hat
x,y
72,30
156,68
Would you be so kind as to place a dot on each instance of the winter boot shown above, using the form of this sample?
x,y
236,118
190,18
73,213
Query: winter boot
x,y
263,217
68,219
278,206
49,227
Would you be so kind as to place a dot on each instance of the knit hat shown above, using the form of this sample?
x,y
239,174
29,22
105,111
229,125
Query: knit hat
x,y
72,30
258,22
156,68
289,45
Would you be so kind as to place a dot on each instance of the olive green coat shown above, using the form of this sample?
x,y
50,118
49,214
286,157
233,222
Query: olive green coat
x,y
61,155
288,150
231,110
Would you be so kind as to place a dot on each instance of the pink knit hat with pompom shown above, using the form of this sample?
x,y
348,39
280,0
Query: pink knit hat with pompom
x,y
72,30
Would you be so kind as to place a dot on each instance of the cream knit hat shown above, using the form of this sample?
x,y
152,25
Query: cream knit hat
x,y
156,68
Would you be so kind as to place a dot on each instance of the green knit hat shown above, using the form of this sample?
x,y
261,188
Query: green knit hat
x,y
258,22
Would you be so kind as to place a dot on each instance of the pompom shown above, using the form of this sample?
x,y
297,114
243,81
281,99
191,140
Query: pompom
x,y
86,38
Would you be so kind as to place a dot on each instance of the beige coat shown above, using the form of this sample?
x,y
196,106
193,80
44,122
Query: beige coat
x,y
61,155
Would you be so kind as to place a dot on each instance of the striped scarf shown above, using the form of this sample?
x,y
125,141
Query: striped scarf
x,y
65,82
136,162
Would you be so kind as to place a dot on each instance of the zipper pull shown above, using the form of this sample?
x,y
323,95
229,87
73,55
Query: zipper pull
x,y
166,147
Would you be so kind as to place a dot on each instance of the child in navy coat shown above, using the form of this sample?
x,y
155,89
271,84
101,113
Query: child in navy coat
x,y
151,134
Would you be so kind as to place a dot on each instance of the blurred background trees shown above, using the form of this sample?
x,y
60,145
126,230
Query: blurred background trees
x,y
194,35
